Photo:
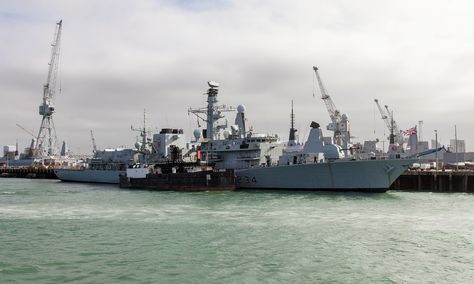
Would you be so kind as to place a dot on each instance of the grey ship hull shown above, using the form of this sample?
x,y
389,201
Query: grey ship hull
x,y
343,175
86,175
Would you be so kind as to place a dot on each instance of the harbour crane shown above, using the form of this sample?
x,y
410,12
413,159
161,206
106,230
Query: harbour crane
x,y
26,130
94,145
384,115
339,123
396,129
392,126
46,141
397,133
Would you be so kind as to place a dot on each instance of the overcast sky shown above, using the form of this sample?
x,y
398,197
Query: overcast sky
x,y
120,57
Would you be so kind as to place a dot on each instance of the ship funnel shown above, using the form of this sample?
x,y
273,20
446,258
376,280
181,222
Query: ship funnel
x,y
240,121
314,124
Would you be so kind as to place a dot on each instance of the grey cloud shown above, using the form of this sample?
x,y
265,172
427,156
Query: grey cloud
x,y
118,58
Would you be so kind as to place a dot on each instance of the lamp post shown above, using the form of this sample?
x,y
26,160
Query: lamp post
x,y
436,148
456,147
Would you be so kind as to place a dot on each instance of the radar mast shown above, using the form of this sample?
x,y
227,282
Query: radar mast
x,y
213,112
292,137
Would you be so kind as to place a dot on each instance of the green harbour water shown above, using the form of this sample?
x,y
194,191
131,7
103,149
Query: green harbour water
x,y
56,232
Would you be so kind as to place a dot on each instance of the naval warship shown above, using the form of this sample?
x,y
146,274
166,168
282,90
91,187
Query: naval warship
x,y
320,166
262,162
105,167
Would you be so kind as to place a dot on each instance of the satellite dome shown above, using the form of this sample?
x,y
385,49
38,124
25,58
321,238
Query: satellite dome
x,y
226,134
138,145
235,129
197,133
241,108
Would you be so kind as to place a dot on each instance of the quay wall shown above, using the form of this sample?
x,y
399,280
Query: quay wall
x,y
435,181
28,172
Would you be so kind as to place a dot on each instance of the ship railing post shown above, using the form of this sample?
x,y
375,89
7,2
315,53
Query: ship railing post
x,y
450,182
441,186
465,179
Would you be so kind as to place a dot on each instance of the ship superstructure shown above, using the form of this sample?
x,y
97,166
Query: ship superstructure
x,y
236,147
212,113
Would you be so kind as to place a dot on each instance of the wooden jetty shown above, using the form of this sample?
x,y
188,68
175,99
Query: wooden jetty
x,y
435,181
28,172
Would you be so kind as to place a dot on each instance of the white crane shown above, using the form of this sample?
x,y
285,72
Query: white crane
x,y
396,136
26,130
392,126
46,141
339,123
396,129
384,115
94,145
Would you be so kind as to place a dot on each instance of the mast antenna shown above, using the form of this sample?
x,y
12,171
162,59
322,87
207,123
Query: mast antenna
x,y
292,137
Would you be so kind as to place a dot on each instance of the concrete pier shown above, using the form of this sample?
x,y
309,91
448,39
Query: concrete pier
x,y
28,172
440,181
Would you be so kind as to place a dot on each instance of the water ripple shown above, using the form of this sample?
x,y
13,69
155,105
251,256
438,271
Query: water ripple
x,y
52,232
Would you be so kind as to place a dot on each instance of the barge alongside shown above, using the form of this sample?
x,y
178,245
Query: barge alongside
x,y
178,177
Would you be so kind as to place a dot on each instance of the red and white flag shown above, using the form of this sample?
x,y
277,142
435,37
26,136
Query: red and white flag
x,y
409,131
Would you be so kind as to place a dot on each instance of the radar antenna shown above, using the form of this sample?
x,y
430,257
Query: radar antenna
x,y
144,132
212,112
